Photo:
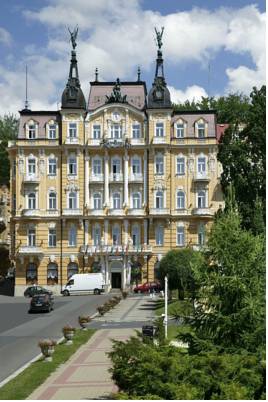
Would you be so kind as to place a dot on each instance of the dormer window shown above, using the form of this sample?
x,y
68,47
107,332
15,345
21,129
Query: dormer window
x,y
32,131
72,130
180,129
52,131
159,129
200,127
96,131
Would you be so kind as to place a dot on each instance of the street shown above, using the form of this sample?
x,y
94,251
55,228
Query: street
x,y
21,331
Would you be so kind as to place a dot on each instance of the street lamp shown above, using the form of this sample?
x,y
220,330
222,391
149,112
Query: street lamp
x,y
165,322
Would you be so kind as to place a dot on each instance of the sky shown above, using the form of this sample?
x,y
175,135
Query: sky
x,y
210,47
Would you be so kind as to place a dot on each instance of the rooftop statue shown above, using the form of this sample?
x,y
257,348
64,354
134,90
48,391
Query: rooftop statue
x,y
73,37
159,37
116,94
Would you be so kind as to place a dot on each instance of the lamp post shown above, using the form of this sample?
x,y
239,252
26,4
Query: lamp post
x,y
166,306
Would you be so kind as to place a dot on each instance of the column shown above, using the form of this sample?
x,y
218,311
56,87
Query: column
x,y
126,157
145,177
106,179
106,226
124,273
126,231
128,271
87,181
86,232
145,229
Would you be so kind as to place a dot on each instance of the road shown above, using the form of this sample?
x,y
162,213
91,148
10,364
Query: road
x,y
21,331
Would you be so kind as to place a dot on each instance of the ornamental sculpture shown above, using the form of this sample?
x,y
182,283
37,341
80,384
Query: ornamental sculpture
x,y
159,37
116,96
73,37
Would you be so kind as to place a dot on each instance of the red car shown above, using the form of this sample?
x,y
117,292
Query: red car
x,y
148,287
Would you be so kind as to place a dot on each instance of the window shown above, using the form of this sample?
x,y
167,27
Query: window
x,y
201,199
200,129
52,166
180,166
52,200
52,273
159,164
159,235
201,234
116,201
72,200
31,166
31,274
32,201
96,131
159,130
180,235
116,131
97,201
31,237
136,166
97,167
96,235
72,269
159,200
32,131
201,165
136,130
179,130
72,130
136,200
52,131
72,236
116,166
72,165
52,238
116,235
136,235
180,200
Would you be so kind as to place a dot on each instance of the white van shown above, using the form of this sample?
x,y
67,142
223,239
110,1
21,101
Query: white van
x,y
84,283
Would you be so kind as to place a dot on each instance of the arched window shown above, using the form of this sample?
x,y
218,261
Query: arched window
x,y
179,129
97,166
97,201
116,201
159,199
116,235
96,235
52,273
201,234
52,200
72,236
159,235
52,130
201,199
136,200
72,269
136,235
180,200
32,130
200,128
72,200
32,201
31,274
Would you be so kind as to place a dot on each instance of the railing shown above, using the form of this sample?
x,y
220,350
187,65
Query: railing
x,y
30,250
31,212
136,177
159,140
52,212
34,178
72,140
202,212
115,249
96,178
116,212
96,212
137,141
182,211
94,141
116,177
159,211
69,211
202,176
136,211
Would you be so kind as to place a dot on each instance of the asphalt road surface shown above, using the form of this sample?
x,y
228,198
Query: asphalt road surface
x,y
21,331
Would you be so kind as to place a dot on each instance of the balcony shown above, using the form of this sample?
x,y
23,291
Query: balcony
x,y
144,249
113,142
116,177
136,212
96,212
72,212
202,212
30,250
53,212
136,178
159,211
159,140
116,212
94,142
181,211
96,178
201,176
137,141
31,212
72,140
31,178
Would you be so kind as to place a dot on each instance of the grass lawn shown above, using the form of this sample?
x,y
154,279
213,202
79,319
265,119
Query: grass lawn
x,y
183,307
33,376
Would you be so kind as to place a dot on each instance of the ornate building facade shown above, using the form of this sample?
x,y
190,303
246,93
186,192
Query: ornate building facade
x,y
110,185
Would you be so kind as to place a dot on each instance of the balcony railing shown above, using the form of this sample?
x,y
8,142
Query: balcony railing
x,y
201,176
72,140
202,212
52,212
136,212
159,140
180,211
136,177
159,211
31,212
115,249
96,178
137,141
116,177
96,212
94,141
116,212
30,250
69,211
31,178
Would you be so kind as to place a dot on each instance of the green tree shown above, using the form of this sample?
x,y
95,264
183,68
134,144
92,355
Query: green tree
x,y
8,131
177,264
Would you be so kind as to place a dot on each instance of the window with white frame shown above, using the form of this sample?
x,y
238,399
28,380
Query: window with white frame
x,y
116,201
32,131
159,235
179,129
72,130
96,235
201,199
200,129
136,200
32,201
52,131
136,130
31,166
72,165
159,129
31,237
180,165
72,236
116,165
201,234
159,199
136,165
180,236
136,234
201,165
52,238
97,166
72,200
97,201
180,199
159,164
52,166
116,235
52,200
116,131
96,131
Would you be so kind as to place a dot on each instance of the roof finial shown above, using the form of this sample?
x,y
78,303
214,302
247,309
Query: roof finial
x,y
73,36
26,88
139,74
159,37
96,74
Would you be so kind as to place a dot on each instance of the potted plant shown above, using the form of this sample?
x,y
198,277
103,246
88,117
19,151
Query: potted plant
x,y
47,348
102,310
68,333
124,294
83,321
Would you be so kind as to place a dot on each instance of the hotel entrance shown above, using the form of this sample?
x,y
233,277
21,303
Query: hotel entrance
x,y
116,280
116,268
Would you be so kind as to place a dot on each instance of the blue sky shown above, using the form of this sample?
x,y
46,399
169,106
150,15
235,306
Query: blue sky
x,y
118,35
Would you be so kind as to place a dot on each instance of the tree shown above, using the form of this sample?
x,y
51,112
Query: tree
x,y
8,131
177,264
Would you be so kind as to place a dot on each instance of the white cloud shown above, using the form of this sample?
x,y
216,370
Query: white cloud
x,y
5,37
191,93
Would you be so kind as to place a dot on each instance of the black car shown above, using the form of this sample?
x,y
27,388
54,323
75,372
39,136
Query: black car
x,y
35,290
42,302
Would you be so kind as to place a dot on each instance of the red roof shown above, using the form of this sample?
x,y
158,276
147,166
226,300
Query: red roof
x,y
220,128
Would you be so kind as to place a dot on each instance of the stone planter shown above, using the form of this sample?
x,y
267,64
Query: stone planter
x,y
68,335
47,349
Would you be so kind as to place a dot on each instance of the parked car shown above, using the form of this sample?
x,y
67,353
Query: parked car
x,y
84,283
42,302
35,290
148,287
